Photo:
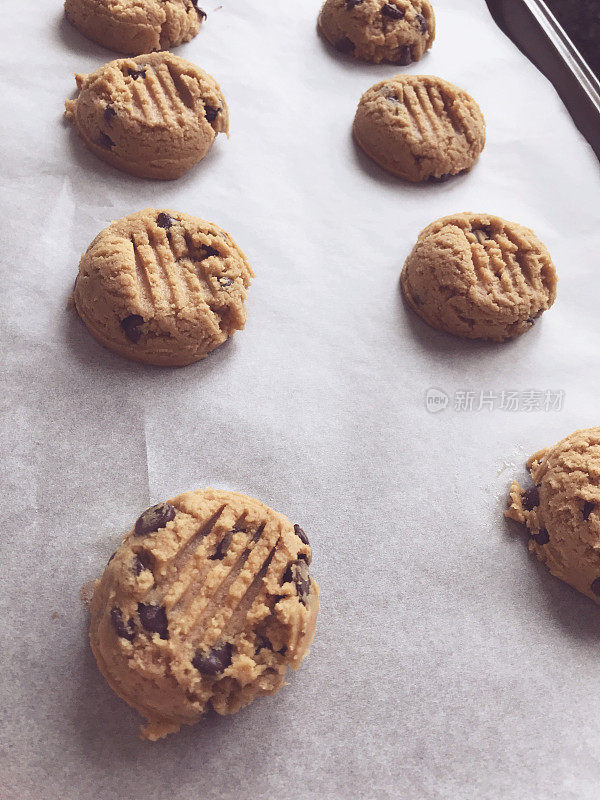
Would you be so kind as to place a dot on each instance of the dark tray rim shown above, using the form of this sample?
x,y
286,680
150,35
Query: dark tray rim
x,y
532,26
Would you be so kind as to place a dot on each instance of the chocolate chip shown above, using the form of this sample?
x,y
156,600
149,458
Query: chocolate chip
x,y
109,114
405,56
154,518
422,23
141,562
531,498
541,537
587,509
154,619
595,587
482,235
440,178
350,4
345,45
300,534
105,141
532,319
262,643
216,661
164,220
137,73
207,251
111,558
138,567
201,13
131,327
225,281
210,112
393,12
121,629
297,573
223,546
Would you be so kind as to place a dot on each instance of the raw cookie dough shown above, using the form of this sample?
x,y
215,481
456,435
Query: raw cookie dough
x,y
479,277
205,604
562,509
420,127
154,116
136,26
397,31
162,287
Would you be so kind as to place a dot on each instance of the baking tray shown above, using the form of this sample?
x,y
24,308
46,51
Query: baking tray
x,y
535,30
447,665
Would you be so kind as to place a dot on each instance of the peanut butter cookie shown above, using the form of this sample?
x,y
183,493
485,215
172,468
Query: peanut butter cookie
x,y
136,26
162,287
396,31
479,277
154,116
562,509
205,605
420,127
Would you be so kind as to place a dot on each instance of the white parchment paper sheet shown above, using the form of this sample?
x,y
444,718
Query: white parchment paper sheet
x,y
447,664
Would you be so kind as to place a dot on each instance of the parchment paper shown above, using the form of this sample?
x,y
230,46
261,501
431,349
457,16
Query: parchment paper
x,y
447,664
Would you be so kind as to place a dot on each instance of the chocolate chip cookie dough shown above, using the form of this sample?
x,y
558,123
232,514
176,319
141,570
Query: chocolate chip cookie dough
x,y
479,277
162,287
562,509
396,31
136,26
206,604
154,116
420,127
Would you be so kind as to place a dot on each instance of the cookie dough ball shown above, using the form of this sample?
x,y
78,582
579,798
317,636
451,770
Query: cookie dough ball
x,y
396,31
420,127
154,116
162,287
562,509
205,605
134,27
479,277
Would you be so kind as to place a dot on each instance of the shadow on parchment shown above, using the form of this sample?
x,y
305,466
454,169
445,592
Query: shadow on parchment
x,y
106,729
92,174
68,36
440,343
104,365
577,615
405,188
210,757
